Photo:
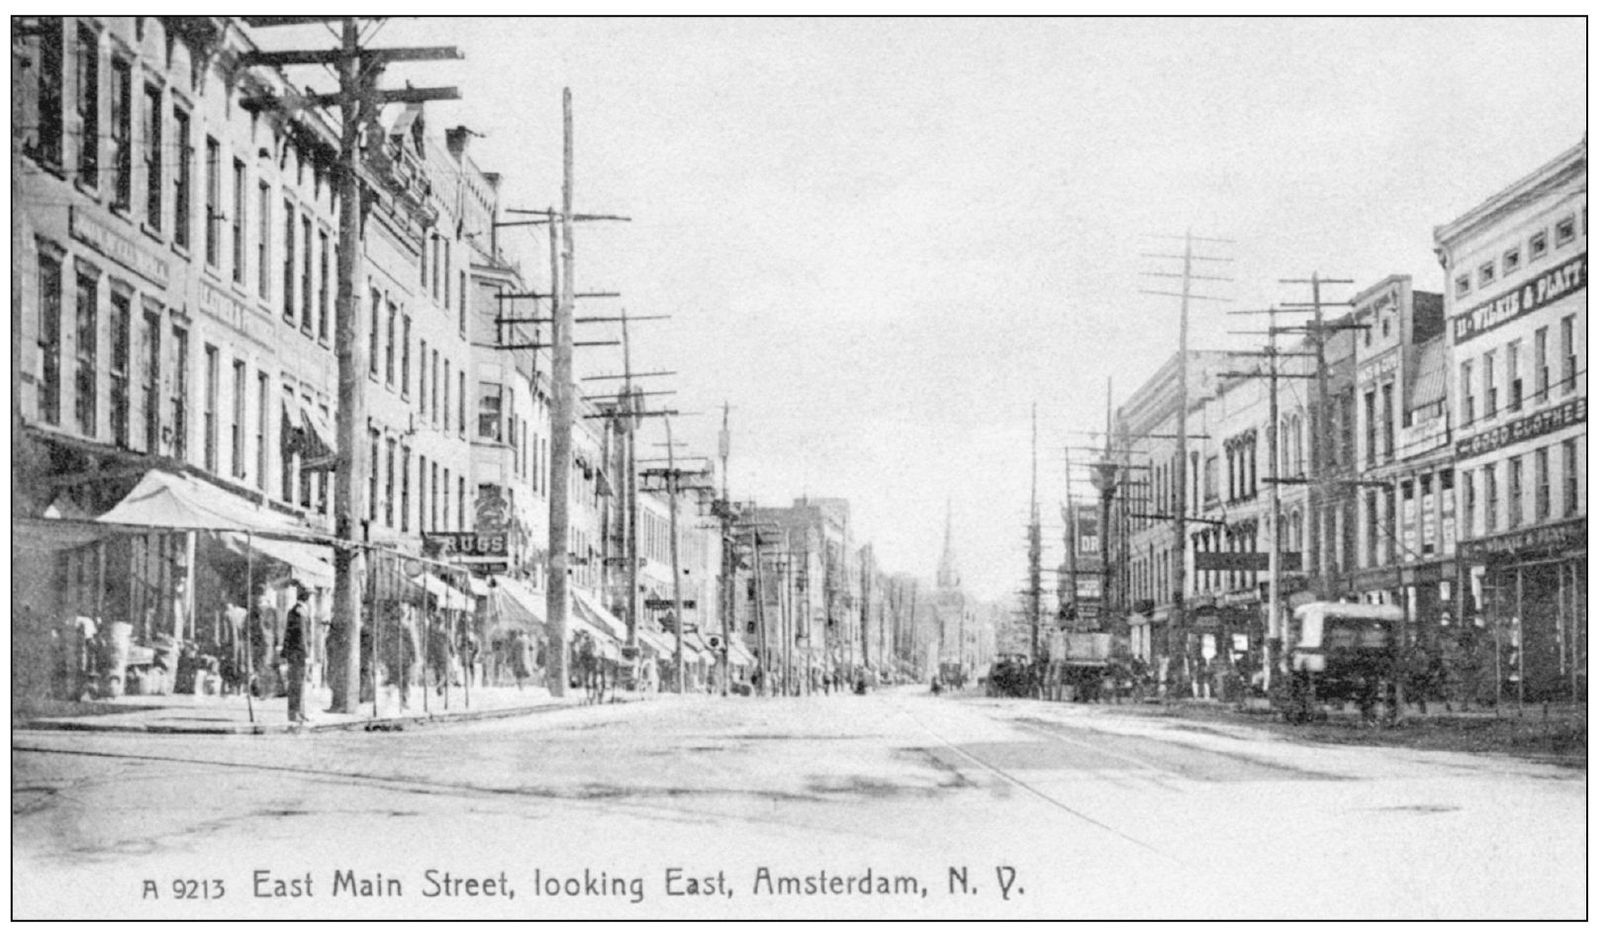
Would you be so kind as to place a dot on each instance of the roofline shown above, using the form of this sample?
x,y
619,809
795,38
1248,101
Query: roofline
x,y
1488,209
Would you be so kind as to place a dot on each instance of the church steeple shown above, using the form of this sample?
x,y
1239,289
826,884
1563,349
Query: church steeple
x,y
948,577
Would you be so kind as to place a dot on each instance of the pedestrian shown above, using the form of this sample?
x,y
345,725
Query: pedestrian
x,y
294,652
519,656
1419,675
404,651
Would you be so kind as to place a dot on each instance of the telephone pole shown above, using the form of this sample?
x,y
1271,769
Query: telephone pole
x,y
1035,582
1186,279
359,101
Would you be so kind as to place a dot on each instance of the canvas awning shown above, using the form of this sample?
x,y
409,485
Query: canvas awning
x,y
307,431
308,562
48,536
657,640
515,603
590,609
174,501
739,655
446,597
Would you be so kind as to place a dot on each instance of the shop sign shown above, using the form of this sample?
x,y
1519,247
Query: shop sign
x,y
1546,288
1531,426
117,246
1537,539
1244,560
468,544
1424,435
222,306
1426,511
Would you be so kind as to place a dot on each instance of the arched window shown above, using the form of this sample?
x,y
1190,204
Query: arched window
x,y
1297,448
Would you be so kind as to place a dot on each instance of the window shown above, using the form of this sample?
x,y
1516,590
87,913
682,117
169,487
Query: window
x,y
1387,421
209,410
407,358
1543,373
1468,392
1571,479
463,304
237,423
214,194
1487,273
1490,384
118,323
491,411
323,483
45,144
1461,285
435,267
435,485
1515,491
151,342
1515,378
85,382
390,344
1490,498
1370,428
424,379
1384,326
463,392
1564,232
88,107
1468,504
288,265
122,116
390,482
435,385
424,495
446,394
262,430
49,337
181,179
463,505
446,277
1510,261
181,392
264,233
323,286
237,222
153,156
1566,339
374,475
1388,535
406,480
374,333
1543,485
307,293
1538,245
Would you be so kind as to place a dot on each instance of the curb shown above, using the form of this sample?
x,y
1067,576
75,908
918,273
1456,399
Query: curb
x,y
395,723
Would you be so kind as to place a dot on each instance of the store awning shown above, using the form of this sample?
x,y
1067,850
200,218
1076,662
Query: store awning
x,y
446,596
48,536
308,432
309,563
739,655
173,501
478,587
661,643
590,609
515,603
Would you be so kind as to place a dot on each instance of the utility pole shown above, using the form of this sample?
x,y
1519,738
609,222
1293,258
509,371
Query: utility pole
x,y
1323,439
1186,280
674,478
359,102
563,424
1035,582
728,602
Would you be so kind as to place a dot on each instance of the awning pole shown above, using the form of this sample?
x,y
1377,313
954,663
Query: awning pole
x,y
251,711
424,644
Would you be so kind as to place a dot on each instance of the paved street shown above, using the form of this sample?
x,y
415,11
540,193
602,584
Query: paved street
x,y
1077,811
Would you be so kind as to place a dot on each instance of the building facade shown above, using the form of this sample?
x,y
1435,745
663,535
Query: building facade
x,y
1516,343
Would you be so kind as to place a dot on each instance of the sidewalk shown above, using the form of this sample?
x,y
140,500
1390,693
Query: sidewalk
x,y
230,715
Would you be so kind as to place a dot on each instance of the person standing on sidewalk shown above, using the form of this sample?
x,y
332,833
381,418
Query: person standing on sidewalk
x,y
294,652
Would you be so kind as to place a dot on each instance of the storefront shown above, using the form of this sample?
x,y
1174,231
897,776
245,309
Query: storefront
x,y
1529,588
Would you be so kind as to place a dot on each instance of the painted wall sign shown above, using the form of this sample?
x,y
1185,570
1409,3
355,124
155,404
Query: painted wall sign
x,y
117,246
1531,426
1541,290
468,544
1559,536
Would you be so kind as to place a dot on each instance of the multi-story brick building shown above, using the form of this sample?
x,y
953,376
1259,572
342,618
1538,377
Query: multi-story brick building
x,y
1516,340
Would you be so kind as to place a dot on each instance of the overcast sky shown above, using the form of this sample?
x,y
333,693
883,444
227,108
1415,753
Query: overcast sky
x,y
883,240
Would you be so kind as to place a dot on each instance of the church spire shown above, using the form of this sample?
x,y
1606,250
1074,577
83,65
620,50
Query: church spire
x,y
948,577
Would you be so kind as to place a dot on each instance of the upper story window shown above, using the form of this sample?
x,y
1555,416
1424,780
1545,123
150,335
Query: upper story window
x,y
1564,232
153,156
1461,286
42,90
122,115
181,178
88,106
214,211
1487,273
1538,245
1510,261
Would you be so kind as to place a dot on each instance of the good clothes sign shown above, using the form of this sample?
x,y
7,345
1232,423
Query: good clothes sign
x,y
1526,298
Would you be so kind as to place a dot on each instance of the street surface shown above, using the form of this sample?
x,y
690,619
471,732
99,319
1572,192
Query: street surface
x,y
938,807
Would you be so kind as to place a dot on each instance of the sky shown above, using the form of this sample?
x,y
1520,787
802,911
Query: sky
x,y
884,241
